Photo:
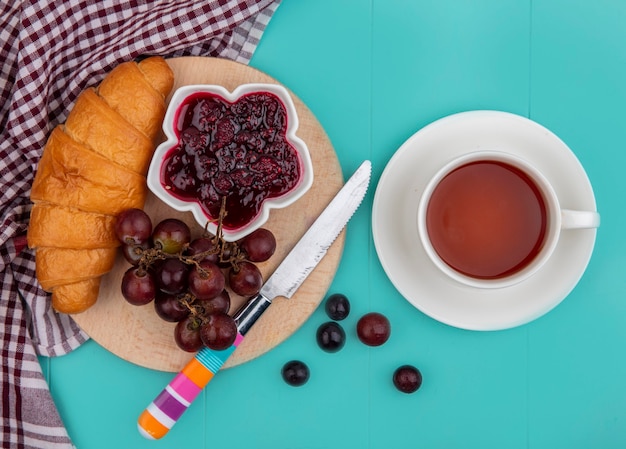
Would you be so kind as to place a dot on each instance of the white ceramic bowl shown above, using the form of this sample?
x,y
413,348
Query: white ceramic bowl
x,y
180,97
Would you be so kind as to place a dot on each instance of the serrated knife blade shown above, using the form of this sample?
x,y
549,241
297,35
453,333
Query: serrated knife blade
x,y
162,413
314,244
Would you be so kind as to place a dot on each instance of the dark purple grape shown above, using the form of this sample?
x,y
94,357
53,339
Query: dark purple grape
x,y
204,245
220,303
171,276
133,253
206,281
295,373
187,334
337,307
170,307
219,331
331,337
138,286
259,246
133,226
245,279
407,379
171,235
373,329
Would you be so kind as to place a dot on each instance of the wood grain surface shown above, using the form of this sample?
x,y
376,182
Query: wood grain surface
x,y
138,335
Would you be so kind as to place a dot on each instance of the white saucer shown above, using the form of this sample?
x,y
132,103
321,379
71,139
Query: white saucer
x,y
395,229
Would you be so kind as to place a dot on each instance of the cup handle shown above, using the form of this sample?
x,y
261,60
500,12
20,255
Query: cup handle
x,y
579,219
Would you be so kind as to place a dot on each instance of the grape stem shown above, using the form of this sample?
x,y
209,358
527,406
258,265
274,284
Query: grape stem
x,y
220,221
187,300
221,247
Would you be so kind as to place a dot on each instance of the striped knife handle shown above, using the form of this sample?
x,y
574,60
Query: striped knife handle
x,y
162,413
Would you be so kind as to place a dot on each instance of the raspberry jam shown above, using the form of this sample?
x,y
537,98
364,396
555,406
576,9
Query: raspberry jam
x,y
234,150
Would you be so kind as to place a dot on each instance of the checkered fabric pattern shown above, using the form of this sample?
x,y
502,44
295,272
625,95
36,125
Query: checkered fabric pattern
x,y
49,52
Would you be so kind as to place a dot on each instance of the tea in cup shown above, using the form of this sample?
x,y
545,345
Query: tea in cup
x,y
489,219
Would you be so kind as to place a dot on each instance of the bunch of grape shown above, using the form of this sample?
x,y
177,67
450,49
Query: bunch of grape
x,y
186,278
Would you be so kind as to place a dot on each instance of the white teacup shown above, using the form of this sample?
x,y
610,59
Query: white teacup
x,y
489,219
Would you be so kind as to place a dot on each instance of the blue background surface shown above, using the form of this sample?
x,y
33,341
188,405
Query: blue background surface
x,y
374,72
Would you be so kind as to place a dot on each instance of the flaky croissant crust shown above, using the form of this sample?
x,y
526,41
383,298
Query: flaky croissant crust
x,y
91,169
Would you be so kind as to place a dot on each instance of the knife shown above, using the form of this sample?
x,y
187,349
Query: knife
x,y
162,413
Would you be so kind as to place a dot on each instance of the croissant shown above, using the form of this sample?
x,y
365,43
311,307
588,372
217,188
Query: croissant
x,y
92,168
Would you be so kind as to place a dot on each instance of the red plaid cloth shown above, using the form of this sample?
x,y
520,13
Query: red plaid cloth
x,y
49,52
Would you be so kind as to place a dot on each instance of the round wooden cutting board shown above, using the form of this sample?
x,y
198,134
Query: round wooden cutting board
x,y
138,335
